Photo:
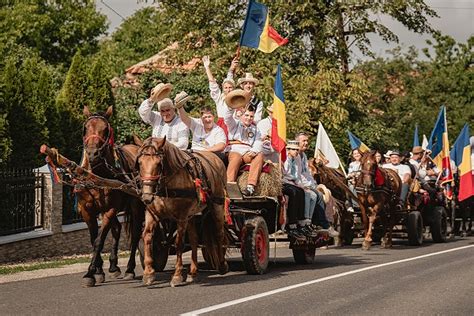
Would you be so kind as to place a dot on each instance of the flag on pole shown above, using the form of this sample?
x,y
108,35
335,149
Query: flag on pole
x,y
416,140
461,155
439,146
424,143
325,148
257,32
279,117
356,143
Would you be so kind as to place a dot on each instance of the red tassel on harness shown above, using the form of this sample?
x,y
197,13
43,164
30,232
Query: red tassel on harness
x,y
228,218
202,195
379,178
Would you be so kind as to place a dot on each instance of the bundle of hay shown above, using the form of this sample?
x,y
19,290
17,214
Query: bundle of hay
x,y
269,184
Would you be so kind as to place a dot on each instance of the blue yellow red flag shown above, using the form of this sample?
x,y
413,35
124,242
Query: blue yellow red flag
x,y
257,32
439,147
461,155
279,117
356,143
416,140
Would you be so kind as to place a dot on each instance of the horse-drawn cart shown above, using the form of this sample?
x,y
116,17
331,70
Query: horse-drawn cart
x,y
250,222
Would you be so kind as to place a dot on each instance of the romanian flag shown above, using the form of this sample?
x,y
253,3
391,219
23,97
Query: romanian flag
x,y
357,143
257,32
416,140
461,155
279,117
439,146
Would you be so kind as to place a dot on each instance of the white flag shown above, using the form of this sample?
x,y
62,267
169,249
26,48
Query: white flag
x,y
325,148
424,143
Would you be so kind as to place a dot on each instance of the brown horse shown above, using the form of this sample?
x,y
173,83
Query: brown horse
x,y
336,183
174,186
104,159
378,190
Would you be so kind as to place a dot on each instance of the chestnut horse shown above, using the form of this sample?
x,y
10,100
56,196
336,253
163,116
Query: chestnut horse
x,y
104,159
177,185
378,190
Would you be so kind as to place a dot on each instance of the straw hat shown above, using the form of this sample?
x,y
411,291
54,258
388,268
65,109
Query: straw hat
x,y
387,154
229,80
395,153
248,78
161,91
180,99
293,144
417,150
165,103
237,98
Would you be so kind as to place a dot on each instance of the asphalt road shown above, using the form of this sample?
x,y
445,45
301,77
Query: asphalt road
x,y
434,279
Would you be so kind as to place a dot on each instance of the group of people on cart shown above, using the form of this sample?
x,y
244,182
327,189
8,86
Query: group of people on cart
x,y
241,136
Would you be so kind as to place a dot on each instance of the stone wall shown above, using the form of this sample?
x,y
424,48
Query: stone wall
x,y
54,239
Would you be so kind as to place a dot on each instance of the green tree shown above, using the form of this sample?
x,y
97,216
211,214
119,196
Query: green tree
x,y
55,29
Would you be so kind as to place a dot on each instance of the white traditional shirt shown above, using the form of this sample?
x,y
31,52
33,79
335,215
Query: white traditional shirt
x,y
242,139
176,131
265,129
354,166
218,96
402,170
203,140
292,170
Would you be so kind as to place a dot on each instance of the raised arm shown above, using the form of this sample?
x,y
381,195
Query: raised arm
x,y
145,112
184,116
207,66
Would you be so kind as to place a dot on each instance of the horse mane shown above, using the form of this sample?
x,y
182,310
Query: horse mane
x,y
175,158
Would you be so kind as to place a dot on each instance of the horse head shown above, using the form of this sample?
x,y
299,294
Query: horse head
x,y
97,133
368,168
150,163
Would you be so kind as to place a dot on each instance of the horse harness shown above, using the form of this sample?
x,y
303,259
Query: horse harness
x,y
194,168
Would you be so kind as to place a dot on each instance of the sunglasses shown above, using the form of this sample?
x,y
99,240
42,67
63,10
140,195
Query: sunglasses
x,y
292,149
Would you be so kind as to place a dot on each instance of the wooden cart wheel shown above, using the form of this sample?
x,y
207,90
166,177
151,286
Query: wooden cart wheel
x,y
255,245
160,255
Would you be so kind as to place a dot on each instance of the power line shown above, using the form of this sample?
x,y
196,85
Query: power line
x,y
112,9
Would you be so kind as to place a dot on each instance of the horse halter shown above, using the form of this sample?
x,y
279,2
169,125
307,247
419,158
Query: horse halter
x,y
151,180
105,142
369,174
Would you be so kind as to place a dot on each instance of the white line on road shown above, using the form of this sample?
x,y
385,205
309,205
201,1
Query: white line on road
x,y
291,287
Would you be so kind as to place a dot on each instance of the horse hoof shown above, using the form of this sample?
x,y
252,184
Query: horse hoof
x,y
177,281
366,245
148,279
88,282
99,278
191,278
223,268
115,274
129,276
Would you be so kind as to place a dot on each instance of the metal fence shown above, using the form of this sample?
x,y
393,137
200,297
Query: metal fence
x,y
21,200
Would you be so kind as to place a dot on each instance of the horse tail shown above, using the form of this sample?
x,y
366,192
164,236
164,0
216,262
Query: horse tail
x,y
213,235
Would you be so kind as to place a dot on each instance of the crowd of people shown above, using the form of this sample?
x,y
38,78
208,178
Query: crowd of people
x,y
240,136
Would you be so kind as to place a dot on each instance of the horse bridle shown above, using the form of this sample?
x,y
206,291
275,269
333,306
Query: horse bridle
x,y
105,142
150,180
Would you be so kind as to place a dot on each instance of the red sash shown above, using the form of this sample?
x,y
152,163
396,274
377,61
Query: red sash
x,y
379,179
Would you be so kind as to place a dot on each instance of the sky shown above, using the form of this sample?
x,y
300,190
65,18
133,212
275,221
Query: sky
x,y
456,19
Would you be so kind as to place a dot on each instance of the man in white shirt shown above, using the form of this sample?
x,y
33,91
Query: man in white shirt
x,y
417,154
248,83
245,145
207,136
165,122
403,171
265,129
309,185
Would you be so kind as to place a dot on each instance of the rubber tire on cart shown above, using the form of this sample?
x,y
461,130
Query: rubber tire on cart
x,y
439,225
348,236
255,245
160,254
415,228
304,256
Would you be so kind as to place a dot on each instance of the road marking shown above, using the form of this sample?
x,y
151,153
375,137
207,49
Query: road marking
x,y
295,286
